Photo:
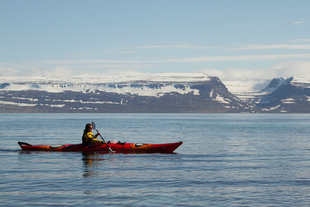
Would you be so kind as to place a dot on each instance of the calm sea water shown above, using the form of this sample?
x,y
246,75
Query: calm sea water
x,y
226,160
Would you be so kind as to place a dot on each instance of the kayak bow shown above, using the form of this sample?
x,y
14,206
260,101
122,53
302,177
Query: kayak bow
x,y
119,147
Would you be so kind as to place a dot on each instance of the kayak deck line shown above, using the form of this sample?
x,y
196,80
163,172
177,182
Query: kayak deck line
x,y
119,147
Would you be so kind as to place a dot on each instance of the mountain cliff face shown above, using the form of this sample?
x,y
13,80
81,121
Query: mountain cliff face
x,y
202,94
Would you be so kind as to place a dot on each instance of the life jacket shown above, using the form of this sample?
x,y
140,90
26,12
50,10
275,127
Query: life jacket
x,y
88,139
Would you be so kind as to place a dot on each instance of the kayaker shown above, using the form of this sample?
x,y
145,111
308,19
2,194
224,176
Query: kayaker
x,y
88,137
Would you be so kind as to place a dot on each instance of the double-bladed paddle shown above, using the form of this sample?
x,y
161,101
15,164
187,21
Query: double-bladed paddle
x,y
94,127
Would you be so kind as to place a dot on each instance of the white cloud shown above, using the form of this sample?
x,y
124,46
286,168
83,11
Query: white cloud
x,y
60,71
178,46
90,61
8,71
241,74
64,66
238,58
299,22
239,80
282,69
35,71
292,68
238,47
300,40
276,46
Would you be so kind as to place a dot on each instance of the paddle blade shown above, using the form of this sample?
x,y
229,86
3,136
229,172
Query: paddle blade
x,y
94,125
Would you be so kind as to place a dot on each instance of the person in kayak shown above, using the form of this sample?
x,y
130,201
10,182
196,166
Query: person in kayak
x,y
88,137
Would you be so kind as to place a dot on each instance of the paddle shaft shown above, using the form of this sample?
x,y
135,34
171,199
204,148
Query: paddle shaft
x,y
104,140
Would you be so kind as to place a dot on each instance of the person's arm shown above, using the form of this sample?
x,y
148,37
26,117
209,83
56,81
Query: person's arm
x,y
94,138
96,135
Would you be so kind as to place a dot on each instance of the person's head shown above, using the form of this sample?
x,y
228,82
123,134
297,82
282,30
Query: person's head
x,y
88,127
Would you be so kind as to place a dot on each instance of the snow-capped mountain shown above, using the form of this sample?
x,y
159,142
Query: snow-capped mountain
x,y
285,95
276,83
151,93
163,93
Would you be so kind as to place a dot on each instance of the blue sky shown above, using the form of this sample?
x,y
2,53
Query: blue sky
x,y
228,38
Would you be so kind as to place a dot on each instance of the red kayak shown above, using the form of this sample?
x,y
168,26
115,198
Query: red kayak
x,y
119,147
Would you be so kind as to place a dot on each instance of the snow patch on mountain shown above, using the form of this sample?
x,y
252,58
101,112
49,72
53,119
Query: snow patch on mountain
x,y
301,82
53,105
288,101
156,89
272,108
27,99
221,99
143,84
150,89
92,102
16,103
246,89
